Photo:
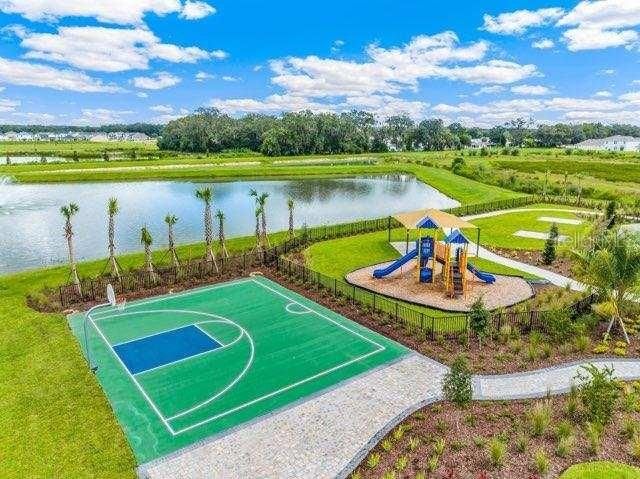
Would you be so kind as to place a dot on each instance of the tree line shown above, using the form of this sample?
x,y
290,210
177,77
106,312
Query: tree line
x,y
149,129
209,130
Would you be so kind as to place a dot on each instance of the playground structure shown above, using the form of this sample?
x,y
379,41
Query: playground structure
x,y
429,252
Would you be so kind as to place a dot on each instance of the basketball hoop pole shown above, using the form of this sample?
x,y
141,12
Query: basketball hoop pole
x,y
87,316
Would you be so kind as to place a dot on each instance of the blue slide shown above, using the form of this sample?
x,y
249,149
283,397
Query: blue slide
x,y
481,275
379,273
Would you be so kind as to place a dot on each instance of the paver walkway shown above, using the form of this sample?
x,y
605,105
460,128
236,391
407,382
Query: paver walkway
x,y
323,437
553,380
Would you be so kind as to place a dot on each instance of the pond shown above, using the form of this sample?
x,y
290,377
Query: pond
x,y
31,227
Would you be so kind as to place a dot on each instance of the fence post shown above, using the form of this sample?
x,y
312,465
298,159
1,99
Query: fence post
x,y
335,287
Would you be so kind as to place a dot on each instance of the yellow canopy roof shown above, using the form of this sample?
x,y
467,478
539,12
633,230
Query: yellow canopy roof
x,y
414,219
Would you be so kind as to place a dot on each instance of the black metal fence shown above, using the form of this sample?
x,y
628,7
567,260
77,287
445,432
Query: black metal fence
x,y
414,319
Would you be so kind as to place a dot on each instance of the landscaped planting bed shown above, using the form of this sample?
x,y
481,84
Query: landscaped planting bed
x,y
502,440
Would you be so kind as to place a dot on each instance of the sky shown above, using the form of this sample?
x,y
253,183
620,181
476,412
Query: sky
x,y
479,63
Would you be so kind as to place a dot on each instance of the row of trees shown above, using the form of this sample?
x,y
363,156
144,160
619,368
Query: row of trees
x,y
209,130
205,195
150,129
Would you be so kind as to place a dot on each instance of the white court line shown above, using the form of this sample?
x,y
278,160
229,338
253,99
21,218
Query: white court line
x,y
305,310
135,381
197,325
164,297
174,432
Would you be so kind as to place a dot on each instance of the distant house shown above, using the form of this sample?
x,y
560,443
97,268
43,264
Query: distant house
x,y
483,142
611,143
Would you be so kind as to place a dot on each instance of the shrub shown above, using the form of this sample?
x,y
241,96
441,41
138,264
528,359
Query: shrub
x,y
457,386
457,164
401,463
540,418
629,428
634,448
387,445
479,319
599,393
541,462
438,446
565,446
564,429
593,432
522,441
497,452
414,443
432,463
581,343
549,251
559,325
373,460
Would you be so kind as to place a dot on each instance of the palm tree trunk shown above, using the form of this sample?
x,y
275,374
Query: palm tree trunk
x,y
291,223
258,235
72,260
172,249
113,264
221,238
209,255
265,237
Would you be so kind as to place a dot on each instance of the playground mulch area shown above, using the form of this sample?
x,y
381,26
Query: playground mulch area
x,y
403,284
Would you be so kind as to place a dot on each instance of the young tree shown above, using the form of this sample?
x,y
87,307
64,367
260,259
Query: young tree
x,y
146,240
171,220
549,251
261,202
610,214
205,194
457,164
612,267
456,386
221,237
112,210
479,319
290,207
68,212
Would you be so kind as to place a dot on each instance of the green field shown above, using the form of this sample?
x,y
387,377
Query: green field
x,y
623,171
499,230
601,470
66,148
260,327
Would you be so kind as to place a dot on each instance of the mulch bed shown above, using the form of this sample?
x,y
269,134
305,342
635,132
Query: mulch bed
x,y
562,264
466,432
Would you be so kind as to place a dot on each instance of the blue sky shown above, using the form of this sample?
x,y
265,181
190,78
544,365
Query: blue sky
x,y
80,62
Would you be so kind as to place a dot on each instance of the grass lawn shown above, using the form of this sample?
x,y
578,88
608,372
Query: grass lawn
x,y
498,230
601,470
65,148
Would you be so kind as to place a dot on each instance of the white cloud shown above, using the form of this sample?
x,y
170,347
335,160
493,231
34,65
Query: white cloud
x,y
490,90
543,44
202,76
603,94
597,24
530,90
122,12
230,78
516,23
608,71
160,81
161,108
257,68
569,109
337,45
17,72
107,49
36,117
195,10
101,116
632,97
7,105
142,94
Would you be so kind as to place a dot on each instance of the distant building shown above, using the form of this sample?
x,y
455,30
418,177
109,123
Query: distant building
x,y
483,142
73,136
611,143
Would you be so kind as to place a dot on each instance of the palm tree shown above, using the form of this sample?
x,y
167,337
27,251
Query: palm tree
x,y
205,194
147,240
612,267
290,206
69,211
261,202
112,211
171,220
221,237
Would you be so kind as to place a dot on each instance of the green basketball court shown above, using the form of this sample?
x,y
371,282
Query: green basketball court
x,y
180,368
